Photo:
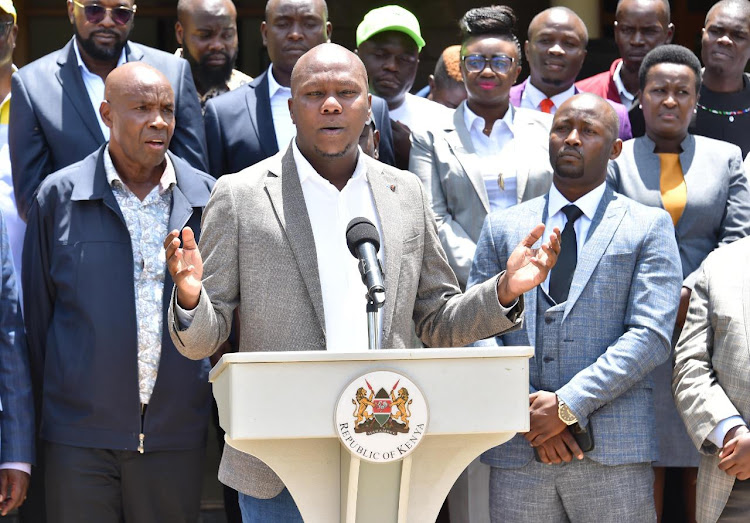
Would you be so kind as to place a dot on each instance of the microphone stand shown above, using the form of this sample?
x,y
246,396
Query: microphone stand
x,y
373,331
374,303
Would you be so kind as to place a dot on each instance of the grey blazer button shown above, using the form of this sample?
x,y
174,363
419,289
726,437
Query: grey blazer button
x,y
549,319
548,359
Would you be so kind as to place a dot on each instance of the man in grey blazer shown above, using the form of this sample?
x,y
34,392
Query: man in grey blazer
x,y
711,383
599,324
54,117
273,244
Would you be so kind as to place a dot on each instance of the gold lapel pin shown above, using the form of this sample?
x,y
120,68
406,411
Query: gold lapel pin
x,y
500,181
393,188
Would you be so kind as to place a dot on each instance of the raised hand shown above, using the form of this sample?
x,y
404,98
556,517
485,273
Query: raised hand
x,y
528,267
185,265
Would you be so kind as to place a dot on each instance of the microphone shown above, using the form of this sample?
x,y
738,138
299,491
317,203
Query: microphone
x,y
364,242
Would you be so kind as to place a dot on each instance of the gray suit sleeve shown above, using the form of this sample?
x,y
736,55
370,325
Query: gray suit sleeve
x,y
189,139
29,151
220,292
700,399
650,315
459,247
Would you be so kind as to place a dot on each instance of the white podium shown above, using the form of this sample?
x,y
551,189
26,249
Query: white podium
x,y
279,407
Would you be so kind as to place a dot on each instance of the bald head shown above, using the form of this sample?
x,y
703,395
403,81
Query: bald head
x,y
139,110
132,77
214,8
661,6
558,16
325,58
739,9
597,107
317,5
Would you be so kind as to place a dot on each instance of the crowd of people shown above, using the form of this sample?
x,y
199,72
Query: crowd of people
x,y
161,209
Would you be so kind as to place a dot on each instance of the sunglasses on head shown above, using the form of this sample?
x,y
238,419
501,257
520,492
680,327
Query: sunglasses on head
x,y
499,63
95,13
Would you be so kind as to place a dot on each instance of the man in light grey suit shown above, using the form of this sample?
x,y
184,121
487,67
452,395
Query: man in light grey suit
x,y
273,243
711,383
599,324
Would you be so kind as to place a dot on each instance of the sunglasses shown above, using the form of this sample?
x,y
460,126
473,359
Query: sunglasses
x,y
95,13
499,63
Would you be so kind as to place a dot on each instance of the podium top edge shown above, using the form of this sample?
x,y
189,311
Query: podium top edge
x,y
379,355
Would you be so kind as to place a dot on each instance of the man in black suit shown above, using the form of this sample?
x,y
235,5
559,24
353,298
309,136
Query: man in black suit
x,y
54,117
252,123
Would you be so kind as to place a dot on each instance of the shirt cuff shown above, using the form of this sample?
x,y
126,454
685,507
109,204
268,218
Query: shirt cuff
x,y
183,316
717,435
15,465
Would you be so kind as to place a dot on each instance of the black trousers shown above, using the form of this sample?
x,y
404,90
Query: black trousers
x,y
113,486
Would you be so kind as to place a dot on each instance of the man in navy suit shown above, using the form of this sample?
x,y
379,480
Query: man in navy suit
x,y
253,123
54,117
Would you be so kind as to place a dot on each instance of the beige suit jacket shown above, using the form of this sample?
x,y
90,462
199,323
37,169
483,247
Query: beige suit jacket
x,y
446,162
259,254
711,379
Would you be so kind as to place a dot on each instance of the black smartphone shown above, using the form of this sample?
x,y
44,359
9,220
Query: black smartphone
x,y
583,436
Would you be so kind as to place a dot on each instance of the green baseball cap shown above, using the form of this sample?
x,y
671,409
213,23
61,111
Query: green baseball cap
x,y
7,6
389,18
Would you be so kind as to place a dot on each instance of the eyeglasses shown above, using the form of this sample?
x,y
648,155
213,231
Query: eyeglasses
x,y
95,13
5,28
499,63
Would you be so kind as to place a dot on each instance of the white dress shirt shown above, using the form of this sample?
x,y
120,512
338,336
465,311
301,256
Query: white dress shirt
x,y
420,113
282,119
498,156
95,86
720,431
330,211
626,99
588,204
532,98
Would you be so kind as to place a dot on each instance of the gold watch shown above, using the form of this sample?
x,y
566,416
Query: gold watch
x,y
565,414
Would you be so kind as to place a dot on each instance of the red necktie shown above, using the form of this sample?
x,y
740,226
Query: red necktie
x,y
546,105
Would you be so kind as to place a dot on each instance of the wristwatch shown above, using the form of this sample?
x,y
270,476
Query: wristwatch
x,y
565,414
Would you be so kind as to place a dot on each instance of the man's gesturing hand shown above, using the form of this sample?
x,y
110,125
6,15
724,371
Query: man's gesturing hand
x,y
527,267
186,266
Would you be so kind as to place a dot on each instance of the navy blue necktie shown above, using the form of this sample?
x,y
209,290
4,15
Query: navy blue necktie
x,y
562,272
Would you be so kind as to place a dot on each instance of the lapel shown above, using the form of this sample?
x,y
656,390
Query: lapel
x,y
388,206
607,219
258,101
92,183
686,161
516,93
612,92
647,164
187,194
537,215
285,191
72,85
462,148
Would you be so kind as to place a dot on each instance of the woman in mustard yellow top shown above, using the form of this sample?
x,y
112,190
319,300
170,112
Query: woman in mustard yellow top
x,y
701,183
